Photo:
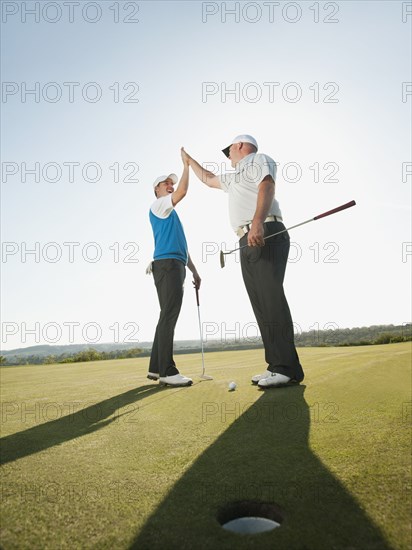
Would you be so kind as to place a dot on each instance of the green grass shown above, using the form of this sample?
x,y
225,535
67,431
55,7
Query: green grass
x,y
96,456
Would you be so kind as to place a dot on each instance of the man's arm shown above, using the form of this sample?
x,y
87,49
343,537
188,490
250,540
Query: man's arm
x,y
204,175
183,186
264,201
196,277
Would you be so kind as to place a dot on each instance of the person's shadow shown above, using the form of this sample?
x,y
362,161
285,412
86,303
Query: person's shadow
x,y
78,422
263,456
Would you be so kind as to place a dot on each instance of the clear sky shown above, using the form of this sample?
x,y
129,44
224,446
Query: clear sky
x,y
118,87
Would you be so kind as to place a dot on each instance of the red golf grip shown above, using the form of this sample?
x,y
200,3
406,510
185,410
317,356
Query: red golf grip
x,y
197,296
338,209
334,210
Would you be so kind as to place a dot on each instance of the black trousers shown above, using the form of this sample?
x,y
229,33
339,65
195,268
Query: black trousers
x,y
169,276
263,270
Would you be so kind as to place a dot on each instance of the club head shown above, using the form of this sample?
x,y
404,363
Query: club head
x,y
206,377
222,259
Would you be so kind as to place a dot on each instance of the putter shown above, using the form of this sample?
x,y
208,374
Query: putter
x,y
328,213
203,375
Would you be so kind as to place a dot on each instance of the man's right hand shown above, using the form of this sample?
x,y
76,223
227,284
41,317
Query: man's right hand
x,y
204,175
185,157
256,234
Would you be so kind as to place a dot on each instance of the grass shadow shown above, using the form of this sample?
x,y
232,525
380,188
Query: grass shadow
x,y
76,424
264,455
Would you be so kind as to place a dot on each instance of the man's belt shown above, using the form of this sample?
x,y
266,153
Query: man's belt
x,y
243,229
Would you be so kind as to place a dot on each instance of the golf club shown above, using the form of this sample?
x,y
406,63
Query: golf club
x,y
203,375
328,213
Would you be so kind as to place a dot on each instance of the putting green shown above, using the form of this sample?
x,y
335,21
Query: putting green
x,y
96,456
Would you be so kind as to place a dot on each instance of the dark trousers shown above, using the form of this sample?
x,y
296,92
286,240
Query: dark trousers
x,y
263,270
169,276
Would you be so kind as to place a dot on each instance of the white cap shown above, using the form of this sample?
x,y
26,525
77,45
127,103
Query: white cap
x,y
243,138
158,180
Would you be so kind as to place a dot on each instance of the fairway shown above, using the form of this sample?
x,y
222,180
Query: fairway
x,y
94,455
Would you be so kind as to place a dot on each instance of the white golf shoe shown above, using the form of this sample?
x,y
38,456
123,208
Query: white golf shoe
x,y
274,380
255,379
177,380
153,375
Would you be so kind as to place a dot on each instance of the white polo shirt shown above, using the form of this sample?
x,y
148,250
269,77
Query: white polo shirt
x,y
243,187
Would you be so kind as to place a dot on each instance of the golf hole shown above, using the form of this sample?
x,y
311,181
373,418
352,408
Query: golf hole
x,y
249,517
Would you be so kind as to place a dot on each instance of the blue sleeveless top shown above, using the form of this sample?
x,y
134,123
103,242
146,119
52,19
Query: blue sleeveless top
x,y
169,237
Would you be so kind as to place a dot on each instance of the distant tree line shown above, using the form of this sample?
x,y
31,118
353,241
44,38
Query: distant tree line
x,y
80,357
359,336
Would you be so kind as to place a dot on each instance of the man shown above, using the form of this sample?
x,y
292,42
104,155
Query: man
x,y
169,271
254,213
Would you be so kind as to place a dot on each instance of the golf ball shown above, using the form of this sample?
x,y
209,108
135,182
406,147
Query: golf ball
x,y
232,386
